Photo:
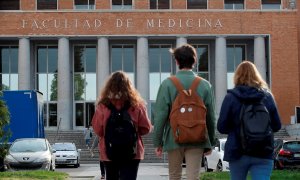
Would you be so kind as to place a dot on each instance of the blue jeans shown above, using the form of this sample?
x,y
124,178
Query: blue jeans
x,y
260,169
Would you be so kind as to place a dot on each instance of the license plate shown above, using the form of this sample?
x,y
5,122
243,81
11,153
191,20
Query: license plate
x,y
297,155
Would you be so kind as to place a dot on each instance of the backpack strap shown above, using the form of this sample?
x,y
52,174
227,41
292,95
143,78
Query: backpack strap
x,y
195,83
179,86
177,83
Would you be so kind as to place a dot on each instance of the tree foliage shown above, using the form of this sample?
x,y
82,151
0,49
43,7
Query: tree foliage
x,y
4,131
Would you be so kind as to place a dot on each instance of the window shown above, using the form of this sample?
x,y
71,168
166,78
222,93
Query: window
x,y
46,70
160,68
123,58
202,65
9,4
271,4
121,4
235,55
46,4
84,83
9,67
84,4
234,4
196,4
159,4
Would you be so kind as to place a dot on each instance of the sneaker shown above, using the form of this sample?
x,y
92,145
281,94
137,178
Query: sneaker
x,y
102,177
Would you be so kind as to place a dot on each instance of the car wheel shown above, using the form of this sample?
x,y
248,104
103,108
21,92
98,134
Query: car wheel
x,y
77,164
206,166
219,167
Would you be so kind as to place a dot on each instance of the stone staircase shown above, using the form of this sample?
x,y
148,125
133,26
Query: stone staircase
x,y
77,137
150,157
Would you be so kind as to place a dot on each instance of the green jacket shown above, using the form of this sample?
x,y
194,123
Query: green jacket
x,y
162,135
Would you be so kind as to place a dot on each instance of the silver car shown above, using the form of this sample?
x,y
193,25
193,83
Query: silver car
x,y
66,154
30,154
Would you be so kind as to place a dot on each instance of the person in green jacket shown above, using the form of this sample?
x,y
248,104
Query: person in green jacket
x,y
185,57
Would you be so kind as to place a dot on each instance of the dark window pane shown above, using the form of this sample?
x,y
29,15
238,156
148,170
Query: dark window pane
x,y
163,4
46,4
90,108
128,61
81,2
116,58
166,59
42,60
153,4
90,59
271,1
4,59
116,2
9,4
79,59
196,4
52,114
79,114
203,59
14,54
230,58
52,59
127,2
154,58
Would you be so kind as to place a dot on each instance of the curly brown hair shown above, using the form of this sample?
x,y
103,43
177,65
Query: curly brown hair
x,y
119,86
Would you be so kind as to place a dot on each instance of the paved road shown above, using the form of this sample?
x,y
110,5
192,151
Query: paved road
x,y
147,171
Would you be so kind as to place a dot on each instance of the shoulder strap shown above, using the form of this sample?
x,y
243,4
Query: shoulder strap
x,y
177,83
195,83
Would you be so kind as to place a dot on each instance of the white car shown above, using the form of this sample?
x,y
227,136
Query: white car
x,y
214,161
66,154
30,154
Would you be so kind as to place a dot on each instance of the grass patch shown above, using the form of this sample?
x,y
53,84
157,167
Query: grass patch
x,y
26,175
276,175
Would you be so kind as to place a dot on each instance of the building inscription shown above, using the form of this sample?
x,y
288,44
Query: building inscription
x,y
151,23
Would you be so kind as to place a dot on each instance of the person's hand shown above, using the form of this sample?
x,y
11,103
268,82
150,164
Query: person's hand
x,y
158,152
208,152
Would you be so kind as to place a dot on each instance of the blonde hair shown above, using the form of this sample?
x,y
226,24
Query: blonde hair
x,y
119,86
247,74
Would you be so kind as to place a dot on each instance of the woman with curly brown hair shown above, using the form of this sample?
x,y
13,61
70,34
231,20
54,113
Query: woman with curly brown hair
x,y
119,92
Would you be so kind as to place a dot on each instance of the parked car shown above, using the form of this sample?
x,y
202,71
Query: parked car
x,y
214,161
286,154
66,154
30,154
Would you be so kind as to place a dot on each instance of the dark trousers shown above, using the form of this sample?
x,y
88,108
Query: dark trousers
x,y
121,170
102,169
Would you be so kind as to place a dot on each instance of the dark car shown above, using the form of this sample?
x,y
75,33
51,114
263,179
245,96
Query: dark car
x,y
286,154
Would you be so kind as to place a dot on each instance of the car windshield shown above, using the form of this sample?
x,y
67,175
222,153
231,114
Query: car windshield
x,y
292,145
29,145
64,147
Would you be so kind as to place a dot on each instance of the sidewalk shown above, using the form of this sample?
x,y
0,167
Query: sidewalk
x,y
150,171
147,171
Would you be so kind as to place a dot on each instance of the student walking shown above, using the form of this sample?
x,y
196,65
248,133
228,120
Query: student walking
x,y
96,144
249,88
119,95
88,134
163,138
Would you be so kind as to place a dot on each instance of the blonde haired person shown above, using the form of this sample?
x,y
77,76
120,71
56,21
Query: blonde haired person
x,y
249,87
119,91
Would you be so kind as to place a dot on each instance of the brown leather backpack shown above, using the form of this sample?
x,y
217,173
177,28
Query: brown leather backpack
x,y
188,114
